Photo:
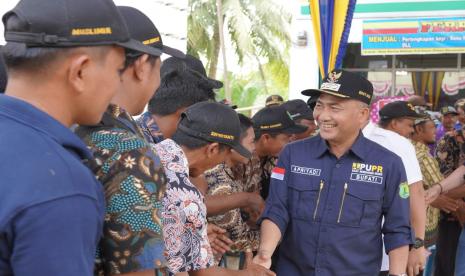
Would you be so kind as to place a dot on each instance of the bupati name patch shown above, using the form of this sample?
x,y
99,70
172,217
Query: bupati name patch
x,y
306,171
367,173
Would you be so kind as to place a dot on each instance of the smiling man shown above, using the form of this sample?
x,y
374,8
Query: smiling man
x,y
329,193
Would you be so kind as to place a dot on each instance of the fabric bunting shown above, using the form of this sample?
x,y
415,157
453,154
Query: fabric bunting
x,y
331,22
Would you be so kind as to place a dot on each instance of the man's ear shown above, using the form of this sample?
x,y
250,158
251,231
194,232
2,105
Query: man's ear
x,y
212,150
79,71
142,67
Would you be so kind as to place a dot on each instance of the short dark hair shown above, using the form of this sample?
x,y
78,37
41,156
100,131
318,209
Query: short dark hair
x,y
384,123
20,57
131,56
183,139
259,133
178,90
246,123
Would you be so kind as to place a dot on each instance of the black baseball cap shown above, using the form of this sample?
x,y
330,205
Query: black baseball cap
x,y
398,109
70,23
298,109
194,66
448,110
276,119
213,122
274,100
344,84
228,103
142,29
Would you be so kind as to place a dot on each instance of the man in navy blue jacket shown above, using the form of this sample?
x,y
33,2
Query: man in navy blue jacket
x,y
329,193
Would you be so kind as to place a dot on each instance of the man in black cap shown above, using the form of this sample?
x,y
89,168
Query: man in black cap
x,y
205,135
448,120
127,166
183,83
399,116
302,115
393,133
60,54
330,190
274,128
274,100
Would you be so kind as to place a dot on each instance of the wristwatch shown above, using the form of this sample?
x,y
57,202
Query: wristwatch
x,y
418,243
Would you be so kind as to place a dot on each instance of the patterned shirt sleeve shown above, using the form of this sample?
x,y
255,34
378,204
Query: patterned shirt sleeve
x,y
184,215
447,154
219,183
134,182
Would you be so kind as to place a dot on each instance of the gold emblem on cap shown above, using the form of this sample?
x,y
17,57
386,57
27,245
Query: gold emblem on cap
x,y
411,106
271,126
333,77
221,135
91,31
364,94
151,41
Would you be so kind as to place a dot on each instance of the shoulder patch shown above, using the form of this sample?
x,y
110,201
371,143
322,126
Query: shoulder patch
x,y
278,173
404,190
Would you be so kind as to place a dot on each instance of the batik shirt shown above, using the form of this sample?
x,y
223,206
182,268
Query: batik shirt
x,y
150,128
222,181
431,175
184,214
449,152
134,183
255,175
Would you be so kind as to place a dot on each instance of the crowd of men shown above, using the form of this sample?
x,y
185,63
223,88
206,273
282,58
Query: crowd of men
x,y
194,188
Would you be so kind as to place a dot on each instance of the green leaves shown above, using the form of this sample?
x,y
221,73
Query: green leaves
x,y
258,31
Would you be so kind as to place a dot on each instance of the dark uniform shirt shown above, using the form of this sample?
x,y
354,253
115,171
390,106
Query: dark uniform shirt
x,y
51,205
330,210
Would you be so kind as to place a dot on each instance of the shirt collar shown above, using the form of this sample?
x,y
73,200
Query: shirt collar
x,y
369,129
116,116
171,152
419,146
358,147
28,115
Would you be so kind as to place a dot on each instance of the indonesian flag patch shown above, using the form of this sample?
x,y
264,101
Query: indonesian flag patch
x,y
278,173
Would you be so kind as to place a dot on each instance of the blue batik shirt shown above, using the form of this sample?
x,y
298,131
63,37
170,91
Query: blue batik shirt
x,y
134,182
150,129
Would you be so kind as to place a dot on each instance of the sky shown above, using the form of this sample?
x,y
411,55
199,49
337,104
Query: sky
x,y
161,12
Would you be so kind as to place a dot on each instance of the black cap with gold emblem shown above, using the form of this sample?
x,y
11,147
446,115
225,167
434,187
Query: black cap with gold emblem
x,y
344,84
142,29
213,122
275,119
448,110
399,109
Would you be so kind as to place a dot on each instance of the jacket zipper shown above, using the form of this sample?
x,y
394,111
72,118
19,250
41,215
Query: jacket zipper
x,y
342,203
322,183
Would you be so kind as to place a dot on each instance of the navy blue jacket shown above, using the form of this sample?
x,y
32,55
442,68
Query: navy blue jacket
x,y
330,210
51,205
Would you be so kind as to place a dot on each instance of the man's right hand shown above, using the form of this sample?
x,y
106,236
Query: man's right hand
x,y
446,204
252,268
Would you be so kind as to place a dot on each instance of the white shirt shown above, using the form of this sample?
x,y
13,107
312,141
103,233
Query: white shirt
x,y
404,149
